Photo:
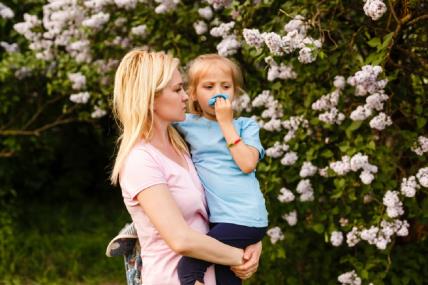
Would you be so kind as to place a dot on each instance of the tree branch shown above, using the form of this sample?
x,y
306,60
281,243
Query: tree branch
x,y
38,131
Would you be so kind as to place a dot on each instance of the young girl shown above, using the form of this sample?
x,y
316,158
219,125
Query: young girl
x,y
225,152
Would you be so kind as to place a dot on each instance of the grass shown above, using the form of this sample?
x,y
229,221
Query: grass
x,y
64,243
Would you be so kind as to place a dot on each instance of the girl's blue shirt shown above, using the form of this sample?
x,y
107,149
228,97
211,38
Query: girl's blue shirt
x,y
232,195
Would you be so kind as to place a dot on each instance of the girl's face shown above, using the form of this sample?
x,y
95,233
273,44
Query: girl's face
x,y
170,104
216,80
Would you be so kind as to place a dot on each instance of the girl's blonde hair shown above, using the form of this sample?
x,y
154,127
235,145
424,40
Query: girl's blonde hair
x,y
200,66
140,77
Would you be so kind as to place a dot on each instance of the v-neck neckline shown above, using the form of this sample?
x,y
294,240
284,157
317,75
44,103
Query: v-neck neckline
x,y
173,161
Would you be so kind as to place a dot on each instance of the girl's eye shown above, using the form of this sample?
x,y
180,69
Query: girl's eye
x,y
208,87
226,86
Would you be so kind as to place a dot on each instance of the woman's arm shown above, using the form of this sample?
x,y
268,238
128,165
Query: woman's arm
x,y
163,212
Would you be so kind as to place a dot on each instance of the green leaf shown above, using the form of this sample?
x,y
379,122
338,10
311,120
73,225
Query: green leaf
x,y
374,42
319,228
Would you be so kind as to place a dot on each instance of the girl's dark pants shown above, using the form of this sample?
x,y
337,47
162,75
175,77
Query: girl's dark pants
x,y
191,269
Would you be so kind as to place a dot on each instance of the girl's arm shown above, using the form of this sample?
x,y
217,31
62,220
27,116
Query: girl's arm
x,y
163,212
245,156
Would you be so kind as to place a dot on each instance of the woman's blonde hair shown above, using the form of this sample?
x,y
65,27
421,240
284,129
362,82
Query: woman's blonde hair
x,y
140,77
200,66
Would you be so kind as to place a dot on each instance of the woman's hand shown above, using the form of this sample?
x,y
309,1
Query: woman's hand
x,y
251,261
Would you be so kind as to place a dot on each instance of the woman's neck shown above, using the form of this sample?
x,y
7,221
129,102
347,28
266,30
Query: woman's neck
x,y
160,137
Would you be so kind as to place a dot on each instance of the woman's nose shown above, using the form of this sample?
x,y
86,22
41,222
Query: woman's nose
x,y
184,96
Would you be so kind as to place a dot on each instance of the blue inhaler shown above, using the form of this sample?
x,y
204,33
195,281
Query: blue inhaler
x,y
212,100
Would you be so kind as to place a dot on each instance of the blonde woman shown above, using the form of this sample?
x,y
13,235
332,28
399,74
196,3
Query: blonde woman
x,y
160,186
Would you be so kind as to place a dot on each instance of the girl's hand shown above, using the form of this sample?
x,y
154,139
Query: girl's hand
x,y
223,110
251,261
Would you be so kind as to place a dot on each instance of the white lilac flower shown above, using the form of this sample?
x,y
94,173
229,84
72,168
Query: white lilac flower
x,y
279,71
123,42
262,99
402,228
349,278
292,125
140,30
272,125
291,218
286,195
206,13
165,6
323,171
120,22
370,234
422,176
366,82
9,48
126,4
380,122
304,188
289,158
98,113
421,146
228,46
80,51
327,102
308,169
336,238
200,27
333,116
297,23
352,238
275,234
306,55
253,37
409,186
80,98
25,28
242,102
341,167
394,207
274,42
375,101
361,113
223,30
366,177
292,41
276,150
359,161
339,82
78,80
96,21
6,12
218,4
374,9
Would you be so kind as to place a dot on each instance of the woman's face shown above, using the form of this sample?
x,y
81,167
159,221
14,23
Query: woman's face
x,y
170,104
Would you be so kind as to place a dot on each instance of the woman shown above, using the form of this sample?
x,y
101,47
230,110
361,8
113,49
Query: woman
x,y
160,187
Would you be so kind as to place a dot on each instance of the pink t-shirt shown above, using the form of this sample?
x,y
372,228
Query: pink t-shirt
x,y
146,166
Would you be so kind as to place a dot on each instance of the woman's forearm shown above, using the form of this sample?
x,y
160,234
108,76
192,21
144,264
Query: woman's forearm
x,y
200,246
161,209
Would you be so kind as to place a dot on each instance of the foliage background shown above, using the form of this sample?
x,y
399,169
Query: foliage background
x,y
58,210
